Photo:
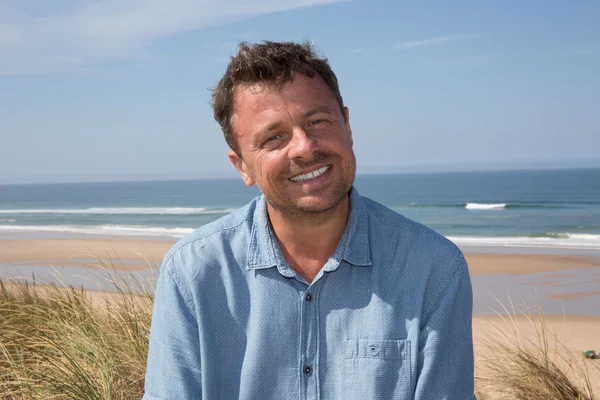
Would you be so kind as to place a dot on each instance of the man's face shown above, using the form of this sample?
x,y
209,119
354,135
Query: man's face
x,y
295,144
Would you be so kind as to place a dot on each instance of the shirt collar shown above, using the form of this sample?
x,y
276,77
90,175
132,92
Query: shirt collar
x,y
354,246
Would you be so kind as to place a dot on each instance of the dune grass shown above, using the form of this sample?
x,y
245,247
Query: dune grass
x,y
535,366
68,343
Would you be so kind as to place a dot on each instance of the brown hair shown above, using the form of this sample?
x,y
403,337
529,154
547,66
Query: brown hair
x,y
270,62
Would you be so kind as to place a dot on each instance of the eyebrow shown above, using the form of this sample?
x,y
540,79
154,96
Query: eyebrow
x,y
318,110
271,127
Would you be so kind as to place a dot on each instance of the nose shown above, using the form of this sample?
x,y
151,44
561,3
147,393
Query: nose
x,y
302,145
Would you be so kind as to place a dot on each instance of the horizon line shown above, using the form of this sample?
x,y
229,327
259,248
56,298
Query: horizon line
x,y
368,173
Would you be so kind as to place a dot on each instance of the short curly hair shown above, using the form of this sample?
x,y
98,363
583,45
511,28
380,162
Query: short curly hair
x,y
267,62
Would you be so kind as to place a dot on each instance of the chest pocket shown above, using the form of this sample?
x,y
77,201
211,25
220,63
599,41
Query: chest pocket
x,y
376,369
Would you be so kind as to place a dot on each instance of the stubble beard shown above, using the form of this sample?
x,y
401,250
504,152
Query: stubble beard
x,y
313,214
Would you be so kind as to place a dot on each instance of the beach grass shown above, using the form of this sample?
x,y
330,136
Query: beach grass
x,y
532,366
71,343
68,343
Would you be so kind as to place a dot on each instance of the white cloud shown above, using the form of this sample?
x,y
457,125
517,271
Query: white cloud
x,y
69,34
430,42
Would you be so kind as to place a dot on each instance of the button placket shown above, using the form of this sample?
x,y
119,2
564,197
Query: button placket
x,y
310,339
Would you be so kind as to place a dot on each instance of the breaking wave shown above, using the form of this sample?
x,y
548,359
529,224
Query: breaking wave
x,y
125,211
487,206
477,206
104,230
547,240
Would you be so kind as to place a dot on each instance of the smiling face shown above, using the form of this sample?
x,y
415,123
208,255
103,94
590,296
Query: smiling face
x,y
294,144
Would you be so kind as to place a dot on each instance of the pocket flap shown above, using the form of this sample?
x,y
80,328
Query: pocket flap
x,y
382,349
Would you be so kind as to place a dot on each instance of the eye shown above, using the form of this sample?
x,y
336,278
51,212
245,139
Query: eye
x,y
316,122
272,138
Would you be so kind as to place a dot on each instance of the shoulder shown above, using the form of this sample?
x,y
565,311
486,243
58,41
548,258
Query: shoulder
x,y
415,252
226,237
390,226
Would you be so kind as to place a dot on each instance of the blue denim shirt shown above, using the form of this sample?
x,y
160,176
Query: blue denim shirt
x,y
387,317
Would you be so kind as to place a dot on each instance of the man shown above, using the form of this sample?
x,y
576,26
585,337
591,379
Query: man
x,y
310,291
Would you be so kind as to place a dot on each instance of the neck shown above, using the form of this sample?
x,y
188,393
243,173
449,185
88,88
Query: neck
x,y
308,240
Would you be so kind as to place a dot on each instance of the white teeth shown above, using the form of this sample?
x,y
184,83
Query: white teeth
x,y
309,175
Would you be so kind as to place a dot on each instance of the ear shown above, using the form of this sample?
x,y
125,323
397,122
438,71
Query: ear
x,y
348,128
240,165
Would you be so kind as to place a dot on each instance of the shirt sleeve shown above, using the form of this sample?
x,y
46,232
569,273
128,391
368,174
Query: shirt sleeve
x,y
445,364
173,368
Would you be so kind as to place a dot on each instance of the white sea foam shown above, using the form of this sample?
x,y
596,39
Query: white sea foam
x,y
558,240
123,211
477,206
583,236
110,230
563,240
7,220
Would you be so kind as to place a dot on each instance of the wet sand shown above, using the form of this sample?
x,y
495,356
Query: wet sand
x,y
525,264
557,283
65,251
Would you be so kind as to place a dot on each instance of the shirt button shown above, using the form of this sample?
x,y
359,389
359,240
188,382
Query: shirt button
x,y
308,297
307,369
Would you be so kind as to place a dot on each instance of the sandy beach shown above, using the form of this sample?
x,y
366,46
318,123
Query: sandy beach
x,y
568,279
577,332
67,252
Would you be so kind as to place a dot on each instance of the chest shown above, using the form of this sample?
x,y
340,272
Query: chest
x,y
330,339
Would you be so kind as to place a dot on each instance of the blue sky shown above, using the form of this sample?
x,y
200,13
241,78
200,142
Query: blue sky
x,y
118,89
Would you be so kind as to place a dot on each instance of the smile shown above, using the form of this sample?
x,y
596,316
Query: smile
x,y
310,175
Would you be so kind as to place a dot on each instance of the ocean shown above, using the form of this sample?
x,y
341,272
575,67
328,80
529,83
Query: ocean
x,y
550,209
533,212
